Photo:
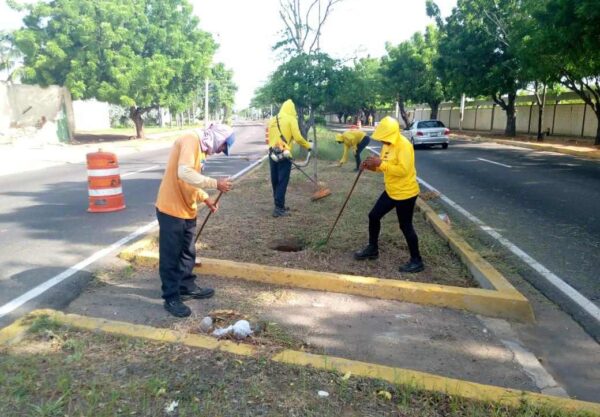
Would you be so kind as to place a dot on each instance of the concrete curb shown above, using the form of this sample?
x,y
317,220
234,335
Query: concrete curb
x,y
419,380
537,147
496,298
502,304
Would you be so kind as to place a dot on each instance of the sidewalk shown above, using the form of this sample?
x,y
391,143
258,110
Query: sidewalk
x,y
28,155
584,150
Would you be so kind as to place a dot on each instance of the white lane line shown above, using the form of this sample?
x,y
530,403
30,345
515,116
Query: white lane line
x,y
43,287
589,307
552,278
493,162
57,279
141,170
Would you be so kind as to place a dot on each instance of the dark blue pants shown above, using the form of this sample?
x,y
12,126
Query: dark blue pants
x,y
177,254
280,176
404,211
359,148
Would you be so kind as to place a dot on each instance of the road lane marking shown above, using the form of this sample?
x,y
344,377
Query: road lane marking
x,y
578,298
57,279
552,278
141,170
45,286
493,162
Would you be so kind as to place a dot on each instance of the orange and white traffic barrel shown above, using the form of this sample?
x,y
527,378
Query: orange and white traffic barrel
x,y
104,182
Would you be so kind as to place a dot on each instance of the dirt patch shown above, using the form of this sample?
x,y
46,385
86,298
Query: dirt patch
x,y
244,230
60,371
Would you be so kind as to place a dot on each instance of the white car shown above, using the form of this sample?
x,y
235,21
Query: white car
x,y
428,132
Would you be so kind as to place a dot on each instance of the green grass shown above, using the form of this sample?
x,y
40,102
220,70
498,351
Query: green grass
x,y
120,376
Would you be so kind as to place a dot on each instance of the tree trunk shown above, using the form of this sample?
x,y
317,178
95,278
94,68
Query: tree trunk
x,y
435,106
511,117
597,112
135,113
541,102
301,123
403,113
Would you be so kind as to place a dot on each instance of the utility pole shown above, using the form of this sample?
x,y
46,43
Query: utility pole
x,y
206,103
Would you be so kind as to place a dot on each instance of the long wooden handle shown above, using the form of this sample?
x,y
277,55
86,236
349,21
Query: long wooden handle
x,y
207,217
344,206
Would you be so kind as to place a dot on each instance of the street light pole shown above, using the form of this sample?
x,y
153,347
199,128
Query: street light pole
x,y
206,102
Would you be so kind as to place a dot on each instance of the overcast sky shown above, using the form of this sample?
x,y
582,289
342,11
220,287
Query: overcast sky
x,y
247,29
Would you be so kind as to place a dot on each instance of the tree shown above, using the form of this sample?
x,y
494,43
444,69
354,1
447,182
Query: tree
x,y
9,55
344,101
400,72
303,25
137,53
369,85
308,79
222,89
409,67
478,52
566,42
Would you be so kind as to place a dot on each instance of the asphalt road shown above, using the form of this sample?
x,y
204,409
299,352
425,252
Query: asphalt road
x,y
547,204
45,228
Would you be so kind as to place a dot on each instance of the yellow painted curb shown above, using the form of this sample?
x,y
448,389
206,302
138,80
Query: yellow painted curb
x,y
496,298
484,273
145,332
420,380
503,304
431,382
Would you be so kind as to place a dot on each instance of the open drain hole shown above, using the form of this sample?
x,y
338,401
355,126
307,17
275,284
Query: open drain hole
x,y
287,245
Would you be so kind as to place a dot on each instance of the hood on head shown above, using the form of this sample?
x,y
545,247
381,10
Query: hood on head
x,y
388,130
213,138
288,108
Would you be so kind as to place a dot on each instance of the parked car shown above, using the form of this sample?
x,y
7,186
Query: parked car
x,y
428,132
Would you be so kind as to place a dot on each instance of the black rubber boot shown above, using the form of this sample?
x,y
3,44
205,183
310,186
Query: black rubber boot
x,y
414,265
196,293
369,252
177,308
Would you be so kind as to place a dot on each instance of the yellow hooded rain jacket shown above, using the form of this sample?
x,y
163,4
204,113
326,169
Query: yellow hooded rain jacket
x,y
397,160
288,121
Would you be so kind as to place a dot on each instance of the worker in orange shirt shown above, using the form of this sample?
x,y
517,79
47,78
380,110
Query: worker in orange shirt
x,y
176,207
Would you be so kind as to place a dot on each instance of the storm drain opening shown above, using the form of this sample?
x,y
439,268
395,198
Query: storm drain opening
x,y
287,245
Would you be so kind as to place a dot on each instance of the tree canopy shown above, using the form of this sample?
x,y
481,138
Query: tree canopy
x,y
137,53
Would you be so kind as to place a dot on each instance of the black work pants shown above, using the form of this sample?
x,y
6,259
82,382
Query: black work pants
x,y
280,176
404,210
177,254
361,146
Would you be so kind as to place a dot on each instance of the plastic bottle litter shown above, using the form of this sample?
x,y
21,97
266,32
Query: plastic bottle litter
x,y
323,394
444,217
222,331
240,330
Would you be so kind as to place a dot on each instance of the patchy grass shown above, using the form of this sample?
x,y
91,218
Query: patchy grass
x,y
244,230
58,372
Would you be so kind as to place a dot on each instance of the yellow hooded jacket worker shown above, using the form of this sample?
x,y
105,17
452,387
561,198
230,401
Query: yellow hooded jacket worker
x,y
354,139
397,163
283,132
